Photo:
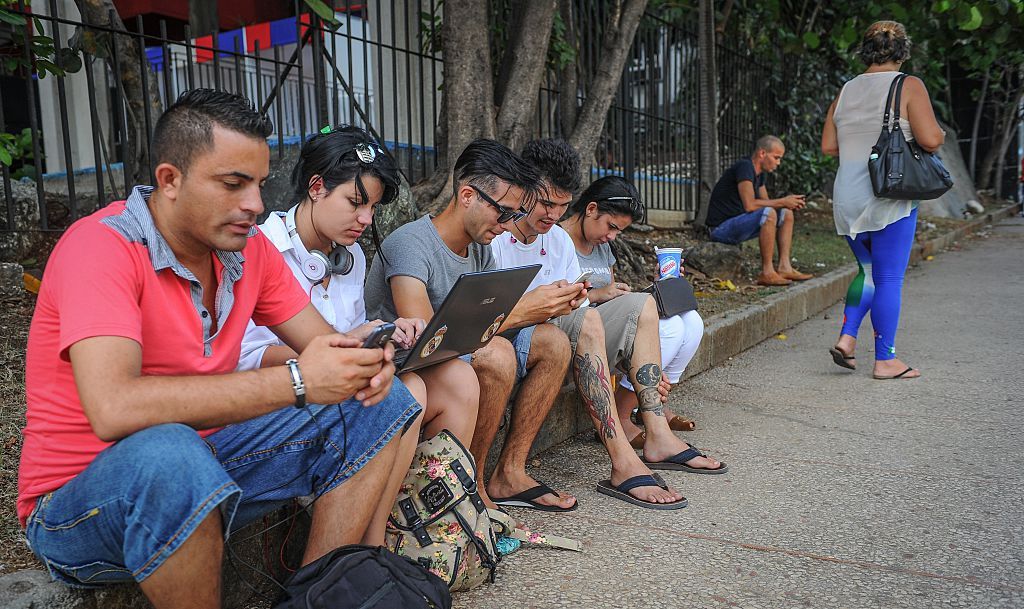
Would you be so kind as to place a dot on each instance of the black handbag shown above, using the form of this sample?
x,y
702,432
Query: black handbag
x,y
673,295
364,576
900,169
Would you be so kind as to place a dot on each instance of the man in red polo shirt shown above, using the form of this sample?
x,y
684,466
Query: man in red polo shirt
x,y
143,448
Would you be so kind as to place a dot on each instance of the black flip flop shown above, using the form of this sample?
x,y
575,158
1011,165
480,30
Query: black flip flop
x,y
896,376
842,359
605,487
677,463
526,498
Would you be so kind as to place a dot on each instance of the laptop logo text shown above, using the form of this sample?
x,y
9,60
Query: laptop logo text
x,y
486,301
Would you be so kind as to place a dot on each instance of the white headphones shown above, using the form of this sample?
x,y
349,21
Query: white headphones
x,y
316,265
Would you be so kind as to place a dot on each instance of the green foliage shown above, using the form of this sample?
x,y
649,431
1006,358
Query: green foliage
x,y
16,148
326,13
41,47
560,52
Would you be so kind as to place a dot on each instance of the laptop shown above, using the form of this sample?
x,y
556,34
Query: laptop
x,y
470,315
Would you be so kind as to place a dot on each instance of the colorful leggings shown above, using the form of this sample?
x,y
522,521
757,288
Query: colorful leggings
x,y
883,256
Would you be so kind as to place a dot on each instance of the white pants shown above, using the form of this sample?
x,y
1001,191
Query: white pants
x,y
680,337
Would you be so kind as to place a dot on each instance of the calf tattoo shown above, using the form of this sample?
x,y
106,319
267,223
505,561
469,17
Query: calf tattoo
x,y
592,383
648,398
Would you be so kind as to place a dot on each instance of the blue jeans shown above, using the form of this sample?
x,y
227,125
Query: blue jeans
x,y
521,344
141,498
744,227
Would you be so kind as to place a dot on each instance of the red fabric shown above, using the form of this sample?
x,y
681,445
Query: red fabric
x,y
259,32
204,49
97,283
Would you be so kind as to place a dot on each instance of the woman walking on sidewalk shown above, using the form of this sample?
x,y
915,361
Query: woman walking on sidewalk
x,y
880,231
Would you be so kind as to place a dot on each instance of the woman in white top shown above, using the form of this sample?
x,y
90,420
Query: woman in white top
x,y
607,207
340,178
879,231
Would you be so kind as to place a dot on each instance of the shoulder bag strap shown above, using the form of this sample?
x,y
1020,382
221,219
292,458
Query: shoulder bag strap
x,y
896,82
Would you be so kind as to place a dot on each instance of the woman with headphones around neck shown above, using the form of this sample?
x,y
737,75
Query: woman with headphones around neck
x,y
341,177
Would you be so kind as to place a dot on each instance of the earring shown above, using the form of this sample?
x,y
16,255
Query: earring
x,y
313,199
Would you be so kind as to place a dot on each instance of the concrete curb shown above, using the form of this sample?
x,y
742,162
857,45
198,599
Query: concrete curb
x,y
732,332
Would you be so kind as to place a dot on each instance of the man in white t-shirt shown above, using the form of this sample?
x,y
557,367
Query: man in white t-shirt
x,y
537,238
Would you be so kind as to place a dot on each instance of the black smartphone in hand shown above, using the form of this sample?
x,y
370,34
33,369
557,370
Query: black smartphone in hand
x,y
379,336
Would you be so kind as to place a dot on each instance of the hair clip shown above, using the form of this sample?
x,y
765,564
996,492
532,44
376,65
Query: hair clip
x,y
326,129
366,153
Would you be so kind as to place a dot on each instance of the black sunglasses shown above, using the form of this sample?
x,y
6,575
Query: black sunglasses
x,y
504,213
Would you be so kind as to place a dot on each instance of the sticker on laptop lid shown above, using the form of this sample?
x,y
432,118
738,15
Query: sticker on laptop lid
x,y
434,342
492,329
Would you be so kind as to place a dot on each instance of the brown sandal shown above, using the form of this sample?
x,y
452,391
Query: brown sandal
x,y
678,423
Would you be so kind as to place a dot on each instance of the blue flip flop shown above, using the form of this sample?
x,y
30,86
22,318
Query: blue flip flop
x,y
605,487
677,463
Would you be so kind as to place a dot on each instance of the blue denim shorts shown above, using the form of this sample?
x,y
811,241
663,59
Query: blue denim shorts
x,y
744,227
522,346
142,497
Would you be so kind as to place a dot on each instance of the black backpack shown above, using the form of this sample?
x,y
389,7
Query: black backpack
x,y
364,577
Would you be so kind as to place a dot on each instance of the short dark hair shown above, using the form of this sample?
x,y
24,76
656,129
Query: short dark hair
x,y
603,189
186,128
884,41
767,142
484,162
333,156
557,162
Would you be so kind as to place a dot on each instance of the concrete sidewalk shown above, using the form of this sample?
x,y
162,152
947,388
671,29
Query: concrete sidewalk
x,y
843,491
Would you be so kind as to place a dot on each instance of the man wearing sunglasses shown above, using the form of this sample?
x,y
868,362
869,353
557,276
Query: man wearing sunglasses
x,y
493,188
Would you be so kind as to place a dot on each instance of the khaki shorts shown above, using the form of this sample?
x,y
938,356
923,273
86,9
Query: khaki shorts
x,y
620,317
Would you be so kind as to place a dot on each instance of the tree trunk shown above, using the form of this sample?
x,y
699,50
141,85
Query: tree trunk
x,y
1010,118
708,115
202,17
136,76
468,95
624,17
971,161
528,45
568,77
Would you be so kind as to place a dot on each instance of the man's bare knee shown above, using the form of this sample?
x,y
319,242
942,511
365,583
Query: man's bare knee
x,y
548,344
592,331
498,358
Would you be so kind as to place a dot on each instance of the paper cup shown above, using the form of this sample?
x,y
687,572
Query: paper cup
x,y
670,261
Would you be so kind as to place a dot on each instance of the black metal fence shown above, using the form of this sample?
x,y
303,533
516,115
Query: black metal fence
x,y
378,70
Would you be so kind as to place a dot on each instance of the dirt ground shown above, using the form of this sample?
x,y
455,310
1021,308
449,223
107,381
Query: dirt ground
x,y
816,247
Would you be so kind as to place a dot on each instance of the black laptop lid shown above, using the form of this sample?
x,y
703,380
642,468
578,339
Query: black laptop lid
x,y
470,315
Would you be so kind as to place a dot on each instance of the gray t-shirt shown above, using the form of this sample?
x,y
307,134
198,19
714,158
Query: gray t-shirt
x,y
416,250
600,263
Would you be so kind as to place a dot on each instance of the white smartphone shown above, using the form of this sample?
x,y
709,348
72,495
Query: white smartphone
x,y
583,277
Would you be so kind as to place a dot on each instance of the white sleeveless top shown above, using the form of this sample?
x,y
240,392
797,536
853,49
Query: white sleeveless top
x,y
858,119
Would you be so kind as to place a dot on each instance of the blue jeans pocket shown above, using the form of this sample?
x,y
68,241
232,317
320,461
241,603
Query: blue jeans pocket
x,y
93,574
75,549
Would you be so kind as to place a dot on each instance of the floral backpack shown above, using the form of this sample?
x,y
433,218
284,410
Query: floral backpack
x,y
439,519
440,522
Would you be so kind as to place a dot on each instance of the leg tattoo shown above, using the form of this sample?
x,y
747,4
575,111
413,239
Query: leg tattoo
x,y
592,383
648,398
